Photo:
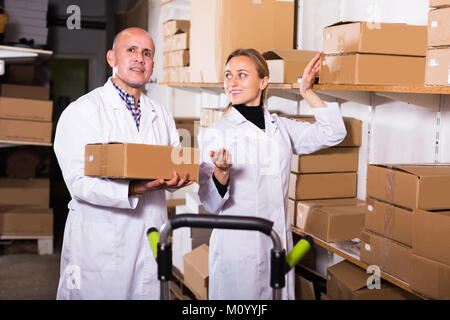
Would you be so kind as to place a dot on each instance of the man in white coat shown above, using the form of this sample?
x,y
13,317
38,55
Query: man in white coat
x,y
105,252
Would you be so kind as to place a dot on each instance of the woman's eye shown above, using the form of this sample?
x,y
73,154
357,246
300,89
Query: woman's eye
x,y
228,76
242,75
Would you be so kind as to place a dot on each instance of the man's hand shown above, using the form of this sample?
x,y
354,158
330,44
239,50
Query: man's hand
x,y
143,186
222,160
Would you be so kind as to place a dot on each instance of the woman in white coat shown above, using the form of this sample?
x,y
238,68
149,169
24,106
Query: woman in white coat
x,y
246,157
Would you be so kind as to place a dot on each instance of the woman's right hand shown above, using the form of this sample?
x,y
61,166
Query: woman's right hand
x,y
222,160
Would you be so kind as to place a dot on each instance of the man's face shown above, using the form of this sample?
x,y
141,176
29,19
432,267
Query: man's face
x,y
132,58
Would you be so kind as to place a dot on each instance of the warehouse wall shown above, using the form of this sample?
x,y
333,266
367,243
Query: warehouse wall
x,y
393,131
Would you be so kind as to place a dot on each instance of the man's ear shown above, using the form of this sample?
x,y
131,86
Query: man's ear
x,y
111,58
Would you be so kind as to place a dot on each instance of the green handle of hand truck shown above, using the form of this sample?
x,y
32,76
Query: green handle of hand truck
x,y
298,252
153,238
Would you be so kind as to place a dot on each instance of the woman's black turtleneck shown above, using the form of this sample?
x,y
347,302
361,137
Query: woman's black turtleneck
x,y
252,114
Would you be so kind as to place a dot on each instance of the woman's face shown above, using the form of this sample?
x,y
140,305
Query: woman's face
x,y
242,83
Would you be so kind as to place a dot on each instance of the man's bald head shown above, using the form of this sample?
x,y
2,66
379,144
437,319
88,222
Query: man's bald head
x,y
130,32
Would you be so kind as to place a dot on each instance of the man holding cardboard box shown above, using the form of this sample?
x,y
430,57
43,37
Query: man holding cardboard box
x,y
105,253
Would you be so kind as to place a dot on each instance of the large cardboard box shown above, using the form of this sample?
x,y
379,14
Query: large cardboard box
x,y
25,131
346,281
431,235
389,221
26,221
25,109
333,223
218,27
179,41
178,58
21,74
430,278
322,185
287,65
438,67
372,69
171,27
423,186
392,257
439,27
327,160
304,289
352,125
439,3
25,192
196,272
372,37
25,92
140,161
22,163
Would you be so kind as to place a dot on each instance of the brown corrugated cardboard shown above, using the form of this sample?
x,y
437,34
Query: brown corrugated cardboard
x,y
326,160
431,235
140,161
423,186
322,186
196,270
304,289
287,65
438,67
188,131
22,163
178,58
332,223
439,27
372,37
178,41
25,92
430,278
183,74
171,27
26,221
372,69
389,221
352,125
292,205
21,74
170,74
392,257
206,117
25,109
346,281
233,24
439,3
25,192
25,131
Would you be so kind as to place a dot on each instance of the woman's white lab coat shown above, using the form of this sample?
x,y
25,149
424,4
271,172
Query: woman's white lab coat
x,y
105,252
239,261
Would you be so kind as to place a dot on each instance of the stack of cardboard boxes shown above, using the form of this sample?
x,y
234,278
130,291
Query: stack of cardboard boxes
x,y
369,53
438,53
176,50
406,231
322,188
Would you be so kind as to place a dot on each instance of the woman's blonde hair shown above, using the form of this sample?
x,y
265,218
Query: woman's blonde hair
x,y
261,67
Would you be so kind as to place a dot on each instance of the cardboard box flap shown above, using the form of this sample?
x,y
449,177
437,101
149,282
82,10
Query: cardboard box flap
x,y
289,54
349,274
422,170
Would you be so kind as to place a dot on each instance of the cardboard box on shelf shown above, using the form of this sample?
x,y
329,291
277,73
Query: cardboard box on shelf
x,y
20,74
438,67
26,221
439,3
196,272
392,257
389,221
322,185
287,65
183,74
25,92
430,278
178,58
374,37
327,160
209,115
140,161
25,131
171,27
304,289
176,74
333,223
25,109
346,281
431,235
352,125
22,163
172,204
179,41
422,186
223,27
372,69
292,206
25,192
439,27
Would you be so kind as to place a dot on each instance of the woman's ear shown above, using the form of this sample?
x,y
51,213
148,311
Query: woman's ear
x,y
111,58
264,83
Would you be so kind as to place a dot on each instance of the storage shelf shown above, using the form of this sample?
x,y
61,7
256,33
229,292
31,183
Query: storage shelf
x,y
9,143
355,260
21,55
